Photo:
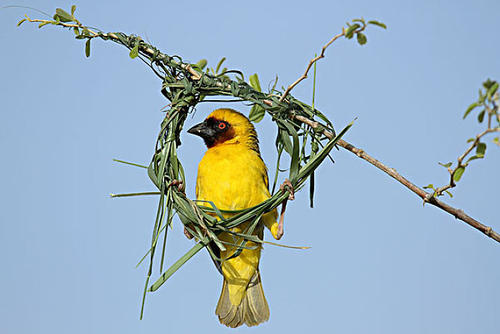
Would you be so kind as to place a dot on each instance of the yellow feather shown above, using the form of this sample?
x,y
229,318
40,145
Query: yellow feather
x,y
233,176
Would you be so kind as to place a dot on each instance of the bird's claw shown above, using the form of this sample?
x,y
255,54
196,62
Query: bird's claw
x,y
187,233
287,185
280,231
179,184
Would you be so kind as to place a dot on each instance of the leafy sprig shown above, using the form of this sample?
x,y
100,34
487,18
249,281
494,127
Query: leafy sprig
x,y
487,103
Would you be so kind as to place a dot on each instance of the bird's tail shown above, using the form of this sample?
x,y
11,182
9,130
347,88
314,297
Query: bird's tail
x,y
252,310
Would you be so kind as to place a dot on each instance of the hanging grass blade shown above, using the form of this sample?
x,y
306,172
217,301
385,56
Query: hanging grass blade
x,y
311,190
130,163
284,246
144,297
167,224
314,162
147,193
295,158
173,268
280,151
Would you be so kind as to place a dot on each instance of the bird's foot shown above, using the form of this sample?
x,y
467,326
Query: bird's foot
x,y
287,185
187,233
179,184
190,236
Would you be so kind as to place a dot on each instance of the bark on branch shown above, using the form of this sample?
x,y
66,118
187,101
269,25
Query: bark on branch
x,y
425,196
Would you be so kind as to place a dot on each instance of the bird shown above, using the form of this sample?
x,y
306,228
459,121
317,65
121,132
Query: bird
x,y
233,176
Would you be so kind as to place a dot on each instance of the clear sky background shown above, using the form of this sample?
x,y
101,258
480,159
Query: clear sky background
x,y
380,262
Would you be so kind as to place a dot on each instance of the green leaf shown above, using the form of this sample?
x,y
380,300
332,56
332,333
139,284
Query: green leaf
x,y
20,22
474,157
449,194
470,140
73,8
349,32
446,165
481,149
458,173
488,84
201,64
481,97
496,140
361,38
361,20
275,83
76,31
254,82
471,107
219,64
429,186
492,90
256,113
135,51
63,15
43,24
87,48
377,23
480,116
284,138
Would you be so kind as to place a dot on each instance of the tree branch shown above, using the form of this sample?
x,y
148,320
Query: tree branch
x,y
148,51
356,28
427,197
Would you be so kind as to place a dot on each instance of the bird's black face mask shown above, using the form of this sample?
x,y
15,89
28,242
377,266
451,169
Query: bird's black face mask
x,y
213,131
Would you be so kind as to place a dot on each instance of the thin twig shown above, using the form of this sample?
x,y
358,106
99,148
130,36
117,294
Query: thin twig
x,y
73,25
311,62
460,167
475,142
439,191
457,213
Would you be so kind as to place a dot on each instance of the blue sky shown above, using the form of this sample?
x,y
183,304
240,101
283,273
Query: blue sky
x,y
380,262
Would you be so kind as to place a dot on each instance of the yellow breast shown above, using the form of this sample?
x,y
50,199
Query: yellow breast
x,y
233,177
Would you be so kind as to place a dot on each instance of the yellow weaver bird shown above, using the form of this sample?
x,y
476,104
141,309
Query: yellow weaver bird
x,y
233,176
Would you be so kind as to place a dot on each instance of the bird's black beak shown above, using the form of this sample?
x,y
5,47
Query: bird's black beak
x,y
203,130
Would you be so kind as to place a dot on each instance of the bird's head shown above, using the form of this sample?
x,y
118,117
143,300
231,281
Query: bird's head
x,y
225,127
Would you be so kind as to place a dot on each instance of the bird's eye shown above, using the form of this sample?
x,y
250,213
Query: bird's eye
x,y
222,125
